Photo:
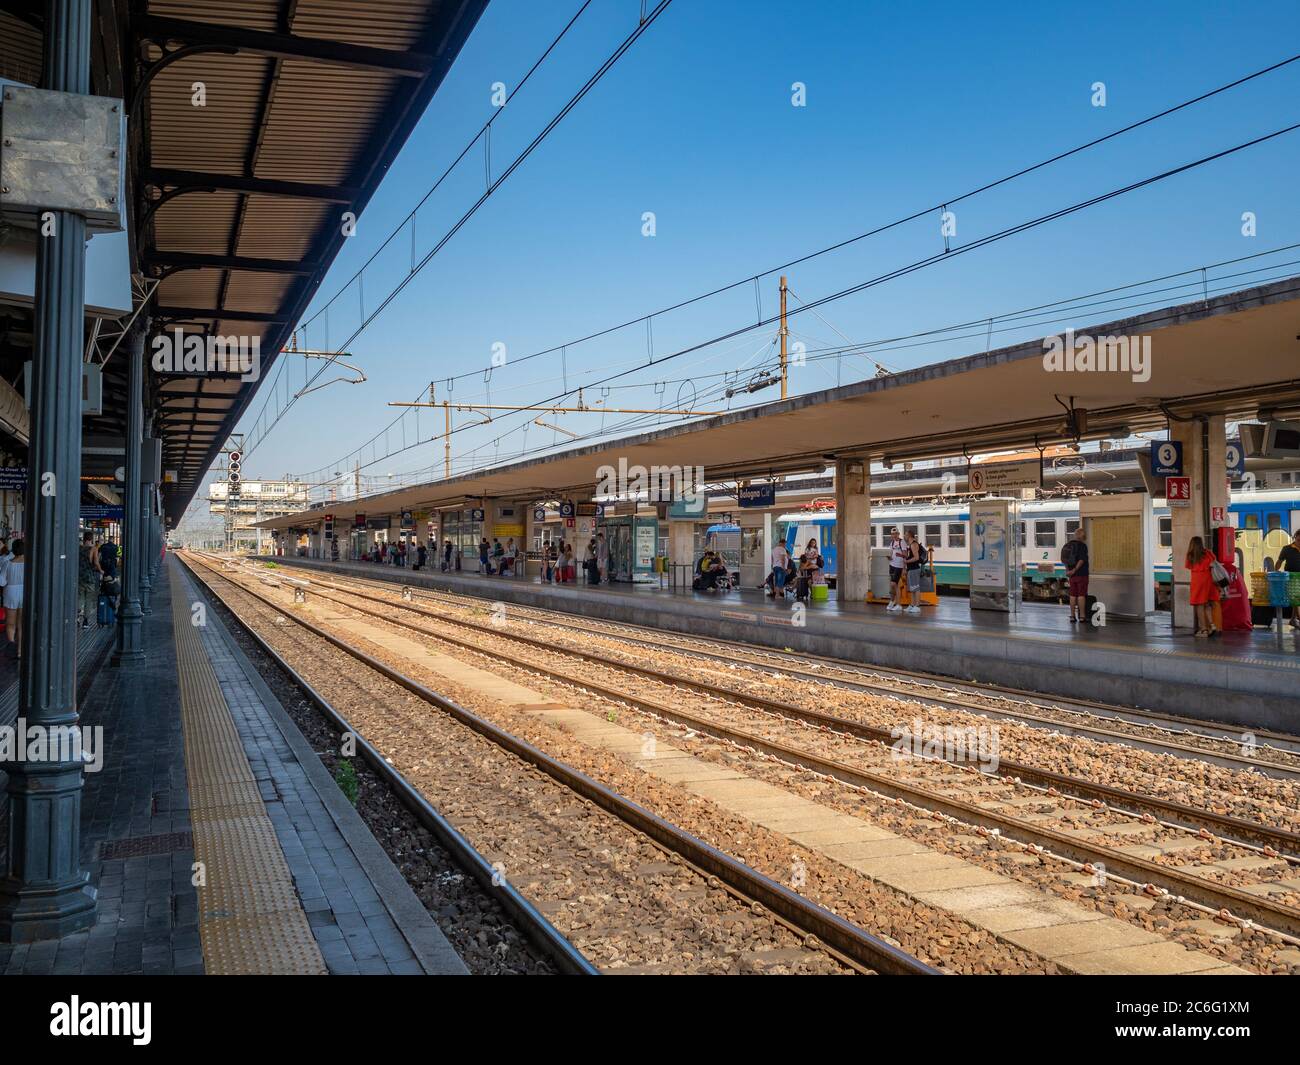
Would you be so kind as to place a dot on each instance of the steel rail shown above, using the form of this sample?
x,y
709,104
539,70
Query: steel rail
x,y
1233,829
833,931
1280,742
1240,903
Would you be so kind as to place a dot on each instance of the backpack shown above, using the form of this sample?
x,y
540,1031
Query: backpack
x,y
922,555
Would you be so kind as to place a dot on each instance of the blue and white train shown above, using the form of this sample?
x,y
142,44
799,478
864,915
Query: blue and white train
x,y
1264,522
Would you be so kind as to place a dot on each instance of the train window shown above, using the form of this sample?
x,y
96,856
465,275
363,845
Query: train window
x,y
1022,533
1250,521
1071,527
1045,532
934,535
909,529
1166,532
1274,522
956,534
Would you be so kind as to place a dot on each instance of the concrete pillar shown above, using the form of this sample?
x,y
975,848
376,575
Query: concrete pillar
x,y
146,518
489,507
681,543
852,529
44,892
130,646
530,531
1204,462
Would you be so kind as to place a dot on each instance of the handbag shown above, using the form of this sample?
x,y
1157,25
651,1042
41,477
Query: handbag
x,y
1218,574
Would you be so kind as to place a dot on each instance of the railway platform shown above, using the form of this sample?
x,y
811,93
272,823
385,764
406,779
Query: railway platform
x,y
1251,679
214,837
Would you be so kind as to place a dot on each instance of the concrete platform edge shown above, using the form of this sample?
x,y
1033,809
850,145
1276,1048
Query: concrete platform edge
x,y
436,955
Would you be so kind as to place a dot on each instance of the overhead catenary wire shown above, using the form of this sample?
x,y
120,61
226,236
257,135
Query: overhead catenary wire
x,y
562,348
1072,305
591,82
913,216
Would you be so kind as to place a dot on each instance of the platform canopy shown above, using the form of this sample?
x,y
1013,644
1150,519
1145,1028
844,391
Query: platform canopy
x,y
1236,354
236,202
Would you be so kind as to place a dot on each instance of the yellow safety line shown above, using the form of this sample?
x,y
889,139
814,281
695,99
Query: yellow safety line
x,y
250,919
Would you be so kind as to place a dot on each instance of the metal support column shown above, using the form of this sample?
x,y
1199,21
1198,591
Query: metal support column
x,y
130,645
44,892
145,510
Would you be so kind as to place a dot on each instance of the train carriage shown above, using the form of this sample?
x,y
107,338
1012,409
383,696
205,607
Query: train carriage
x,y
1264,522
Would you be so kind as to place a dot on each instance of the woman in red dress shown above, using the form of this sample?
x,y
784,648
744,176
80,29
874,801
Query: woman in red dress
x,y
1205,593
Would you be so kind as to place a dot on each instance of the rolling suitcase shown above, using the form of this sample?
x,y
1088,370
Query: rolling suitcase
x,y
105,613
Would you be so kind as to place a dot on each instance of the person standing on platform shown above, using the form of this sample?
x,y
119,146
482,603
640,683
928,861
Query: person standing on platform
x,y
446,556
421,555
12,580
87,581
897,567
780,563
108,559
484,550
916,557
1288,559
602,558
1074,557
1204,592
589,563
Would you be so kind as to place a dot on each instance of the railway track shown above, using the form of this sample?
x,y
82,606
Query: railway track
x,y
1273,754
1283,917
1236,829
796,924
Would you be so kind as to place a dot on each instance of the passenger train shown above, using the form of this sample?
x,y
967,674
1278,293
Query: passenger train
x,y
1264,521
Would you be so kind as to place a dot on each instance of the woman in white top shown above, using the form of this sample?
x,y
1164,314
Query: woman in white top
x,y
12,579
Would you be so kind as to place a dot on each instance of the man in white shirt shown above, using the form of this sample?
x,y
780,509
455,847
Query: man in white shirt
x,y
780,562
897,566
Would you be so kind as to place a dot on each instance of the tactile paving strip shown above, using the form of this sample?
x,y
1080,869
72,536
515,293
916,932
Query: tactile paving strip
x,y
250,919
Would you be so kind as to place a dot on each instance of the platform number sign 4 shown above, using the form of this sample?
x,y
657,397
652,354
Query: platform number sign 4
x,y
1235,460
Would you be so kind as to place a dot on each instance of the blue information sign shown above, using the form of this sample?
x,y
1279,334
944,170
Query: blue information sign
x,y
757,495
101,512
1166,458
1236,459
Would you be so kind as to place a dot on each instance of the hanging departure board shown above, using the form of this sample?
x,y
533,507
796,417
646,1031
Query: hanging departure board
x,y
1115,544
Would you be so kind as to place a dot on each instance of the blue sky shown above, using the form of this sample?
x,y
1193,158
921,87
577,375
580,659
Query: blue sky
x,y
907,106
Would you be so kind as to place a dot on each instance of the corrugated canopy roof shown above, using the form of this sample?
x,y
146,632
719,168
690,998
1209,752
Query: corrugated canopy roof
x,y
1234,354
237,204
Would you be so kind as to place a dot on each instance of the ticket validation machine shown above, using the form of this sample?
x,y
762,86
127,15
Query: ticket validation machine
x,y
1118,530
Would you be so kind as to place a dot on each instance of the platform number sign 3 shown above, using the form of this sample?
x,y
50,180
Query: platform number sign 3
x,y
1166,458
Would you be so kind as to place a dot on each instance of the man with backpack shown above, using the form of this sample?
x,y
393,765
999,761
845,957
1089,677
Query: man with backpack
x,y
917,557
1074,557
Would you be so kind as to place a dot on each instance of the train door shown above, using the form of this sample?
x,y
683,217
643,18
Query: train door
x,y
1261,534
